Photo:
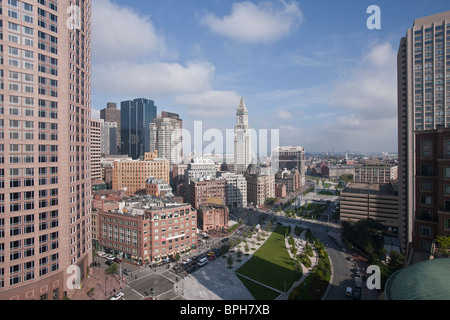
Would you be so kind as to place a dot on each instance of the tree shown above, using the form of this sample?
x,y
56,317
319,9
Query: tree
x,y
443,243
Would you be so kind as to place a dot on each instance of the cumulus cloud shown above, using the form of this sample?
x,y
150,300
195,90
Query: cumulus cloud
x,y
372,88
210,103
256,23
156,79
368,102
121,32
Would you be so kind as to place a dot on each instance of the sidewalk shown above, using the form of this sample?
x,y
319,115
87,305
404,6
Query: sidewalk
x,y
300,243
93,287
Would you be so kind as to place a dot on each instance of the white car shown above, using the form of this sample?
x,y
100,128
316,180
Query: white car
x,y
117,296
187,261
348,292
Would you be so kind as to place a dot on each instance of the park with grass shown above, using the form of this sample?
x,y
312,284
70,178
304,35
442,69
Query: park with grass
x,y
270,267
272,270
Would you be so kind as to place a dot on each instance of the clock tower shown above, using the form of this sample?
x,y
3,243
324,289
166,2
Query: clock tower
x,y
242,141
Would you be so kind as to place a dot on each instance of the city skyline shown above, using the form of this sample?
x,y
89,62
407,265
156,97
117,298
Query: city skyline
x,y
321,76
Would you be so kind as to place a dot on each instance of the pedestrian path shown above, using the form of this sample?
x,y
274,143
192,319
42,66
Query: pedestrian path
x,y
300,243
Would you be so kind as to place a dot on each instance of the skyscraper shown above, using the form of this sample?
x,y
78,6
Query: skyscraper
x,y
242,140
112,114
423,68
135,118
166,137
45,114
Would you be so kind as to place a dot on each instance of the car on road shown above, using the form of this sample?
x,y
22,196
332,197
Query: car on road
x,y
117,260
126,272
210,253
186,262
109,262
349,291
211,258
117,296
202,261
224,240
96,264
357,294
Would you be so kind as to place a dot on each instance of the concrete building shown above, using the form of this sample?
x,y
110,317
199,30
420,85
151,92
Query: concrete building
x,y
335,171
378,201
375,173
148,230
242,140
132,174
109,138
422,67
45,175
166,137
135,118
96,137
112,115
290,157
259,187
236,189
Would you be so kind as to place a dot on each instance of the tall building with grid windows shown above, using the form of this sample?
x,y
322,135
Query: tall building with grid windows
x,y
45,114
423,69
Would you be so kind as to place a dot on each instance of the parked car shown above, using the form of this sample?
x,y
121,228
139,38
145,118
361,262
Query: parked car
x,y
348,292
186,262
212,257
96,264
109,262
357,294
202,261
211,253
117,260
117,296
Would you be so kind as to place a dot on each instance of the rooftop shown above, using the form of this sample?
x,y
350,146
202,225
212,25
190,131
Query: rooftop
x,y
369,188
426,280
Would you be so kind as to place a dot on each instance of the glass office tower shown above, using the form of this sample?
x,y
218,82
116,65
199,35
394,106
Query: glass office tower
x,y
135,118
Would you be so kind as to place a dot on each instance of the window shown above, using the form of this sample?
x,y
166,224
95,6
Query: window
x,y
426,231
426,148
426,185
426,200
447,172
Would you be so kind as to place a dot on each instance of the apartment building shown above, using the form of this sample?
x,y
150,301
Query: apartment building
x,y
131,175
423,67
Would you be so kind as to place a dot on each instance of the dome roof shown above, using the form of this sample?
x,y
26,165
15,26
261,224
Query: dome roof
x,y
426,280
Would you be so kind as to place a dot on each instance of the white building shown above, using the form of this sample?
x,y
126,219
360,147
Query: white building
x,y
201,168
242,139
109,138
236,189
166,137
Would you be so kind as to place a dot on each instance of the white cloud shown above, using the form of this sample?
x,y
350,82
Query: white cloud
x,y
121,32
371,91
261,23
209,104
283,114
156,79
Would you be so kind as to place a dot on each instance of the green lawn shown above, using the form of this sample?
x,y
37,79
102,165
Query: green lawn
x,y
271,264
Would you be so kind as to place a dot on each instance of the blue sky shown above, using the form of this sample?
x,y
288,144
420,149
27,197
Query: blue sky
x,y
310,69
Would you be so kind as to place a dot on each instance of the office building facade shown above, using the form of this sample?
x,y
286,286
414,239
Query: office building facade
x,y
45,179
111,114
135,118
166,137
